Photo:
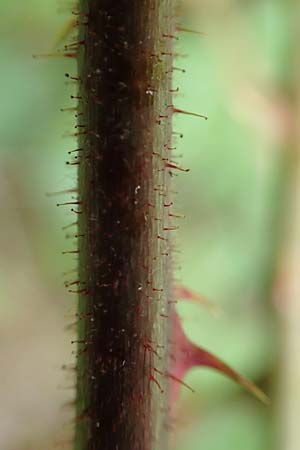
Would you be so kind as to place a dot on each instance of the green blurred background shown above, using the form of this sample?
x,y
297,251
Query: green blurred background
x,y
238,243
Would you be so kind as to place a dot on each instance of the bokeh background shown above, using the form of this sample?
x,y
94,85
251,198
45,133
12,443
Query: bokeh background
x,y
238,245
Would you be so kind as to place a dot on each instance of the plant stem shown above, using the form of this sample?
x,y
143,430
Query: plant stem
x,y
124,117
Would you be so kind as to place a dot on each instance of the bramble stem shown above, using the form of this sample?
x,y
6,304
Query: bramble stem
x,y
124,116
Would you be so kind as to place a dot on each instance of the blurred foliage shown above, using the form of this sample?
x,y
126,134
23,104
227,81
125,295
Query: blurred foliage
x,y
227,241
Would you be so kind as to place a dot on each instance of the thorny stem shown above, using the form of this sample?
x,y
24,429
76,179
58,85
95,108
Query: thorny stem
x,y
125,222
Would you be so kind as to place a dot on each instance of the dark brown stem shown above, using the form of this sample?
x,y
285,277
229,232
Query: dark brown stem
x,y
125,112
